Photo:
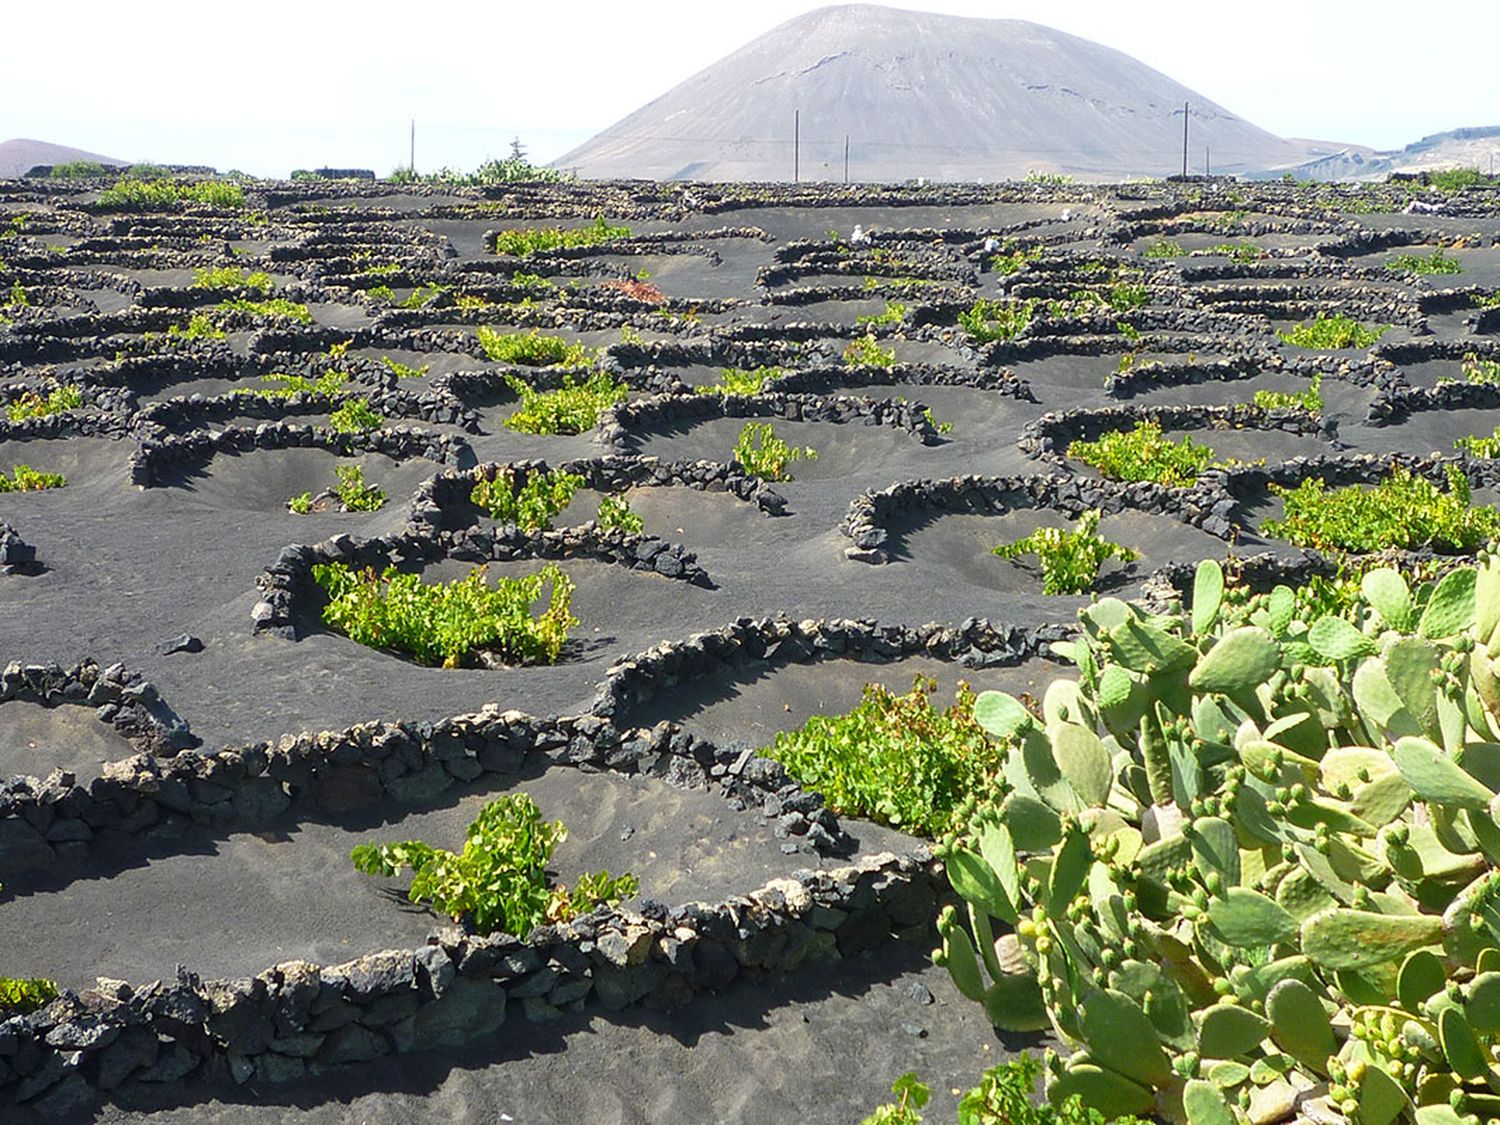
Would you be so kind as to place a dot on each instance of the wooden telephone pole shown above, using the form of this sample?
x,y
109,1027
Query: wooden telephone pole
x,y
796,146
1185,107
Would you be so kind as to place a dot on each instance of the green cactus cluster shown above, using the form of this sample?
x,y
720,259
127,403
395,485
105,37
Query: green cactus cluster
x,y
1244,865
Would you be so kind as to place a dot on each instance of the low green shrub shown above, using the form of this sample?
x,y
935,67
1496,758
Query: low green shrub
x,y
865,351
1164,248
403,370
33,404
1456,179
895,759
534,282
988,320
356,417
524,242
940,427
1012,259
1126,295
571,409
424,295
448,622
510,169
1080,302
1070,560
17,298
1310,400
199,327
1476,370
1242,252
1003,1097
738,381
895,313
1404,510
499,881
1418,265
21,996
135,194
353,493
330,383
82,170
1142,453
232,277
532,506
272,309
911,1095
23,478
762,454
1477,446
1333,333
615,514
532,349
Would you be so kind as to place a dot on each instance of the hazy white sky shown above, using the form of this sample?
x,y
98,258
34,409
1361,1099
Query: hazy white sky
x,y
273,85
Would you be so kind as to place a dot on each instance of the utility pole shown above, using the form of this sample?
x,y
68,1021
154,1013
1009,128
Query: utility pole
x,y
412,168
846,159
1208,164
1185,107
796,146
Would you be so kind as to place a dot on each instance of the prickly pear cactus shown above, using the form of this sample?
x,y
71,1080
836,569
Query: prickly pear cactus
x,y
1245,865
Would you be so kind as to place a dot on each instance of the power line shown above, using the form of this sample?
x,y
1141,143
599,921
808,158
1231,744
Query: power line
x,y
836,142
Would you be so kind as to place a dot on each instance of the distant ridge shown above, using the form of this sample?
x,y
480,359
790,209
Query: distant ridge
x,y
19,156
918,94
1471,147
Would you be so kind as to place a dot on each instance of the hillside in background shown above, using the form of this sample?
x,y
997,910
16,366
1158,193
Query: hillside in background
x,y
919,94
1476,147
20,155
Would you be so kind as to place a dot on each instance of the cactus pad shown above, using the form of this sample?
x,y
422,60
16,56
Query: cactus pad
x,y
1119,1036
1244,917
1354,939
1241,661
